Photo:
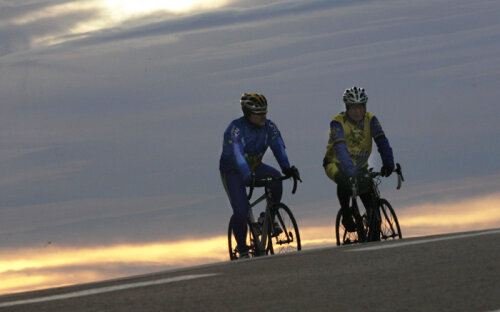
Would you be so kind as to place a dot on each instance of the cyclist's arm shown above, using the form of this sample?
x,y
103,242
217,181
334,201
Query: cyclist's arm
x,y
278,146
383,146
233,139
340,147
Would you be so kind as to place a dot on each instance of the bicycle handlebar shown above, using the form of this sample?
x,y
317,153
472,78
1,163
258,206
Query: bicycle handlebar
x,y
270,179
374,174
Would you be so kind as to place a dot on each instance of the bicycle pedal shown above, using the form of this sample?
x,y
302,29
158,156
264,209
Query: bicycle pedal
x,y
283,242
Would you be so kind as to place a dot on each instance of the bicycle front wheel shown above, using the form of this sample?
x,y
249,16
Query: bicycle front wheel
x,y
285,232
389,228
344,237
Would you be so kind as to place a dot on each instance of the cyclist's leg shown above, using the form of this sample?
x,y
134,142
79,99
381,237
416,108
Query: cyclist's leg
x,y
366,198
344,197
262,171
235,189
343,192
372,215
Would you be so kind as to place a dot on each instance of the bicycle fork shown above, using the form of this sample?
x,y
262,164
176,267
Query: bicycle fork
x,y
266,226
374,222
360,227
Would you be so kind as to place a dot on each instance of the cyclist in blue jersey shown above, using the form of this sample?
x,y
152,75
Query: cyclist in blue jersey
x,y
246,139
349,147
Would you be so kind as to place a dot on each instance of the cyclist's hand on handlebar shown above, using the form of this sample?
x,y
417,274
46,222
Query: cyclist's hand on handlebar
x,y
295,173
287,172
386,170
292,172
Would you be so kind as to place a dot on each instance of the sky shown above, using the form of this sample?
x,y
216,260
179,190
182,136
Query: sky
x,y
112,115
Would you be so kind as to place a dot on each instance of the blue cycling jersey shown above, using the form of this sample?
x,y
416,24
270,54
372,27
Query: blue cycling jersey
x,y
244,146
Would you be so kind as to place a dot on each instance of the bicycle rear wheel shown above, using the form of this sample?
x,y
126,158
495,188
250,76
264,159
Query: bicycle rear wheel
x,y
288,238
389,228
233,245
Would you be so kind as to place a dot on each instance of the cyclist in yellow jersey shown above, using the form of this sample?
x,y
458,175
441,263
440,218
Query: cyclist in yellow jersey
x,y
349,147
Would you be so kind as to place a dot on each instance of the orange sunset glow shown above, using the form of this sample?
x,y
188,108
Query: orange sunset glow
x,y
27,269
30,269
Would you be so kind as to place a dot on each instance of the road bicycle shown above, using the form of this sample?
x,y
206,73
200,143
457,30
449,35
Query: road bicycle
x,y
275,231
379,222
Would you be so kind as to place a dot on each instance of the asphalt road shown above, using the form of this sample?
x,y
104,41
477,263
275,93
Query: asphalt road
x,y
455,272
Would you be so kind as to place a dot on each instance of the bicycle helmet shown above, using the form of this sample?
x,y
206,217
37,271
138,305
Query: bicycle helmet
x,y
253,103
355,95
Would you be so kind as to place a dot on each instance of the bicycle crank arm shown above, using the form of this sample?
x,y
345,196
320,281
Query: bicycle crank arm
x,y
282,242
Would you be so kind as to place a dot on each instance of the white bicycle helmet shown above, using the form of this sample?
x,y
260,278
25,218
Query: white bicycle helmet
x,y
355,95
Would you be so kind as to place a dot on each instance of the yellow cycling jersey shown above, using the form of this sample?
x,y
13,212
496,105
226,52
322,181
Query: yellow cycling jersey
x,y
357,137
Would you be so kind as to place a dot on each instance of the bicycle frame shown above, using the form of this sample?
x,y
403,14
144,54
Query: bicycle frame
x,y
366,223
368,226
261,244
278,223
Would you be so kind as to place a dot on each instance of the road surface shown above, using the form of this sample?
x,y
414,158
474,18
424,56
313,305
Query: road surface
x,y
454,272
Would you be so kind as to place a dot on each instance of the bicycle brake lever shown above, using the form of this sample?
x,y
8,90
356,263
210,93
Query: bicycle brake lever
x,y
294,184
400,175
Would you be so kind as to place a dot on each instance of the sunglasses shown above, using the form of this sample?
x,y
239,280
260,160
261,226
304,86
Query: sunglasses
x,y
356,106
260,114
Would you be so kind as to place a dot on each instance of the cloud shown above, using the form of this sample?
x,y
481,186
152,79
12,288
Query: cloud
x,y
15,9
52,265
465,215
105,133
68,21
71,212
120,220
29,25
123,95
54,171
48,266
